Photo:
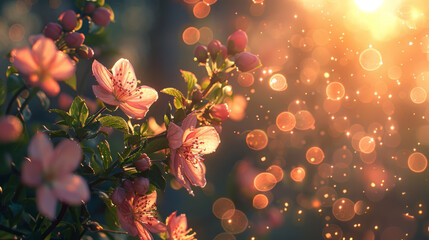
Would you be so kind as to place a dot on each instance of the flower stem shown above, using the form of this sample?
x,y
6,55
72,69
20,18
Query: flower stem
x,y
56,221
11,231
15,96
93,117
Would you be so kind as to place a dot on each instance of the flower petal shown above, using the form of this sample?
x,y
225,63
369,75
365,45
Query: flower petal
x,y
31,173
176,163
40,147
174,136
50,87
102,75
66,158
104,95
133,112
207,140
62,67
71,189
46,201
154,225
23,60
146,202
123,72
44,52
143,232
190,121
195,172
124,213
142,96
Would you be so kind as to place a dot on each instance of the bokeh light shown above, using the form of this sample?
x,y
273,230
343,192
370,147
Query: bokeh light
x,y
297,174
265,182
257,139
260,201
236,223
286,121
191,35
417,162
315,155
278,82
335,91
221,206
370,59
343,209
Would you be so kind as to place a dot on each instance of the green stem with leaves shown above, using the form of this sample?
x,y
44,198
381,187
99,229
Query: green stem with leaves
x,y
56,221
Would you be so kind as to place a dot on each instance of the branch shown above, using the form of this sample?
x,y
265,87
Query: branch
x,y
56,221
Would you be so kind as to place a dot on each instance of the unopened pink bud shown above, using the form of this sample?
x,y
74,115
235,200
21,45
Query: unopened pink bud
x,y
89,8
85,52
128,185
141,185
200,53
246,61
68,19
11,129
53,30
237,42
101,16
118,196
142,163
214,48
74,39
220,111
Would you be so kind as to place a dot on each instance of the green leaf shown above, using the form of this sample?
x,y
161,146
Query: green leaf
x,y
71,81
3,91
177,103
57,133
92,129
11,70
156,178
156,145
114,122
190,79
14,82
179,115
79,111
106,156
173,92
64,115
44,100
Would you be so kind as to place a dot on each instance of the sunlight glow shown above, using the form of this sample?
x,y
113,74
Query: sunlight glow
x,y
368,5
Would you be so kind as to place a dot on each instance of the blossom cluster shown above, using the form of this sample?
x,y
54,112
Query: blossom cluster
x,y
81,165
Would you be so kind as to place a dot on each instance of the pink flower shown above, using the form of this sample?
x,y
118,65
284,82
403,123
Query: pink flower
x,y
142,163
220,111
119,88
187,144
137,215
51,172
43,65
11,129
177,228
155,127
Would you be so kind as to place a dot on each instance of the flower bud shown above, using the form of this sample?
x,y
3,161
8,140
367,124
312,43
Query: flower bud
x,y
141,185
237,42
11,129
197,96
246,61
142,163
74,39
53,30
128,186
89,8
200,53
68,19
214,48
224,51
101,16
220,111
118,196
85,52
